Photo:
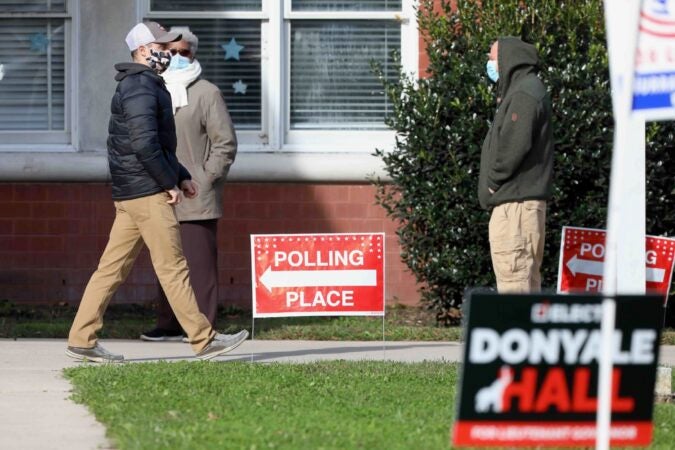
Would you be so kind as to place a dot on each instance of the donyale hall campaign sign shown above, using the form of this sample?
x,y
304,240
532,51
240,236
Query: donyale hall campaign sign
x,y
318,274
531,368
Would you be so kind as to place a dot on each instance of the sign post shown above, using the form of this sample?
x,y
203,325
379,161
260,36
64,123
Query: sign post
x,y
626,209
641,42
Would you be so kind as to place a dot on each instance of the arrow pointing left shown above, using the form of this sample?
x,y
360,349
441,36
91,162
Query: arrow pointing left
x,y
312,278
588,267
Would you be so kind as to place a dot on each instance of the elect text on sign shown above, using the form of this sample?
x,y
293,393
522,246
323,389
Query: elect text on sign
x,y
531,367
318,274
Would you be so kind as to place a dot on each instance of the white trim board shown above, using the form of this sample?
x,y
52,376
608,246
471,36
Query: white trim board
x,y
249,167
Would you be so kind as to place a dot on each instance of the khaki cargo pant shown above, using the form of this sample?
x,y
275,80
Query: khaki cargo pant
x,y
150,220
517,245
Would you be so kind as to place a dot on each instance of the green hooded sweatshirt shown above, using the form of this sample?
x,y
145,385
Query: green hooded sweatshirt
x,y
517,156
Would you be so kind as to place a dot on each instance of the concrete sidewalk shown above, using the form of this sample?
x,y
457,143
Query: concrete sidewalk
x,y
36,413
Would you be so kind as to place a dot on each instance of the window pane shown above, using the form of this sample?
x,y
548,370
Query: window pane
x,y
206,5
332,83
229,53
32,74
32,5
346,5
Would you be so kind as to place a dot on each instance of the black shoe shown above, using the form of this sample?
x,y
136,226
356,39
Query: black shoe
x,y
161,335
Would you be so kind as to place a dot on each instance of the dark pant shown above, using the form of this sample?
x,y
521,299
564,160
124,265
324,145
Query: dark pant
x,y
201,253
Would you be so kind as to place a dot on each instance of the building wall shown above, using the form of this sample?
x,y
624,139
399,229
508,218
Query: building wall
x,y
102,29
56,212
52,235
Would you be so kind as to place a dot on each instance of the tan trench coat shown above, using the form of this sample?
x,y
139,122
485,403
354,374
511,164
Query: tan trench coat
x,y
207,146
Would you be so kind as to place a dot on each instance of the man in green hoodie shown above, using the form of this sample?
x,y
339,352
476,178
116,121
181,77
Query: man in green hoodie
x,y
516,166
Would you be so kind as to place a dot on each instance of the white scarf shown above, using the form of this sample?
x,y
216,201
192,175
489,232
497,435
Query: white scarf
x,y
177,82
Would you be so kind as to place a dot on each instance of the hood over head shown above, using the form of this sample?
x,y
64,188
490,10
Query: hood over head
x,y
515,59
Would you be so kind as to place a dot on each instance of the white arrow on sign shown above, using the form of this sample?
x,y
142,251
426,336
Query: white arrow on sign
x,y
307,278
588,267
584,266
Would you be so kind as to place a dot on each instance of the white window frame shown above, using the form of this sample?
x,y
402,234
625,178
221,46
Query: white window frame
x,y
53,140
275,133
249,140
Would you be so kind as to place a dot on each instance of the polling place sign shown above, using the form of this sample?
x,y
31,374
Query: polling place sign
x,y
318,274
530,370
582,255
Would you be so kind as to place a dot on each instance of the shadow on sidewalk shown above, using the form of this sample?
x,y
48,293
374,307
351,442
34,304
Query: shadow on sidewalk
x,y
323,352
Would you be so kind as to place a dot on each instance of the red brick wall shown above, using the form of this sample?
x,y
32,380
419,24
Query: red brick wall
x,y
51,236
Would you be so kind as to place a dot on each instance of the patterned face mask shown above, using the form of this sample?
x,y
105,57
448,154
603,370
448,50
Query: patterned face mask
x,y
159,61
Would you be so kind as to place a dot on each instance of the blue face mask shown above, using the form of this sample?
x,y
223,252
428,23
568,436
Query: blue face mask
x,y
492,71
179,62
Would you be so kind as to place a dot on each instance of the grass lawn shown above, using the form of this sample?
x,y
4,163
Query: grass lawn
x,y
129,321
336,405
324,405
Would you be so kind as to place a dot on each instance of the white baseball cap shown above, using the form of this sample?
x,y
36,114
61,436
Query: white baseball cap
x,y
148,32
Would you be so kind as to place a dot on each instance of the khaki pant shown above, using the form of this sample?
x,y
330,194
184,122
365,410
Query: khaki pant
x,y
150,220
517,245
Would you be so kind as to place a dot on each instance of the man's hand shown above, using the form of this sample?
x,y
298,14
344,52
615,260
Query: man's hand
x,y
189,188
176,196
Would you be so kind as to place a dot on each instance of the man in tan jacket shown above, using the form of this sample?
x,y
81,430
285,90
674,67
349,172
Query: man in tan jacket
x,y
206,146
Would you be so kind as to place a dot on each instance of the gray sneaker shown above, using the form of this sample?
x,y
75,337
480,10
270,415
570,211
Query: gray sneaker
x,y
95,354
222,343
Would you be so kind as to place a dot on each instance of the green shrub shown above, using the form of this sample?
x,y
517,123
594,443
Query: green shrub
x,y
442,118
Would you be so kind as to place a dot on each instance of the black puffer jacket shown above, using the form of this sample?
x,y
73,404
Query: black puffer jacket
x,y
142,135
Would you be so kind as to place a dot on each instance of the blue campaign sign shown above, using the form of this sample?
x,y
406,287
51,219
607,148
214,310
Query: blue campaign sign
x,y
654,83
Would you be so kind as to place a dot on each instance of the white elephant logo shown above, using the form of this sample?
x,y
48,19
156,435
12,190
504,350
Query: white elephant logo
x,y
490,398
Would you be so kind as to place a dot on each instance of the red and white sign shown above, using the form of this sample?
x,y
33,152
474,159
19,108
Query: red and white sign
x,y
582,254
529,377
318,274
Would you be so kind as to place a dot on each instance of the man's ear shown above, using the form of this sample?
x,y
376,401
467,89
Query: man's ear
x,y
142,51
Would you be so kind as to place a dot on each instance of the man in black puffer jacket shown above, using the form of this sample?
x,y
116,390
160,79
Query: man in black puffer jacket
x,y
142,137
147,182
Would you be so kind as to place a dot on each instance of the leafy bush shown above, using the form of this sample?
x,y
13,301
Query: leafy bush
x,y
442,119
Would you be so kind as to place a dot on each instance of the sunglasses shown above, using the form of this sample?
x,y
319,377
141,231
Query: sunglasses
x,y
181,51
